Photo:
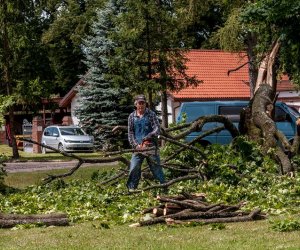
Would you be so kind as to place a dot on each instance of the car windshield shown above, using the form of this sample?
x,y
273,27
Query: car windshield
x,y
71,131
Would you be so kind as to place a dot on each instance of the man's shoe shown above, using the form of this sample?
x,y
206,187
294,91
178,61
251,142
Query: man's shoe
x,y
133,191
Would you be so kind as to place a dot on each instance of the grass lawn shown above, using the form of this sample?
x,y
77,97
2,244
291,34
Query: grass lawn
x,y
90,235
246,235
24,179
25,156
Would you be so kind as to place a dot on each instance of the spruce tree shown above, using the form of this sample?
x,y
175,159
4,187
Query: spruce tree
x,y
101,103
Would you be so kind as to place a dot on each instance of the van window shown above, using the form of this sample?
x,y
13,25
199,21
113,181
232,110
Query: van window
x,y
281,115
231,112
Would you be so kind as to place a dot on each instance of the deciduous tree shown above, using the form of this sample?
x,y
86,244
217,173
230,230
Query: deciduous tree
x,y
150,57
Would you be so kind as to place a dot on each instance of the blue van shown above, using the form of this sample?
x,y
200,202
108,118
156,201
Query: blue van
x,y
285,118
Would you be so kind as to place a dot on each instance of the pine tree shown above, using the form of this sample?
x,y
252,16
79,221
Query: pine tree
x,y
101,103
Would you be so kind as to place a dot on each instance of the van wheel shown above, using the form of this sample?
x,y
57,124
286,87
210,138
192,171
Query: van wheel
x,y
204,143
61,147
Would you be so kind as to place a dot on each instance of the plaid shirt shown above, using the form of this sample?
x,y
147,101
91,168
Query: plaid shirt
x,y
154,125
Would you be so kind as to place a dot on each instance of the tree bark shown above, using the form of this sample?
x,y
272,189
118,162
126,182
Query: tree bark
x,y
258,120
253,215
11,220
164,108
7,77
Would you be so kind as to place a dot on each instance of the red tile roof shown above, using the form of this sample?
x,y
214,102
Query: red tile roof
x,y
284,84
212,66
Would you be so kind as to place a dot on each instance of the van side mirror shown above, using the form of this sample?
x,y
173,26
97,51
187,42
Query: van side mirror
x,y
55,134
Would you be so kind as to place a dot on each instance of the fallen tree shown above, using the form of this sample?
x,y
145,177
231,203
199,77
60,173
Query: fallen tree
x,y
256,123
258,120
259,123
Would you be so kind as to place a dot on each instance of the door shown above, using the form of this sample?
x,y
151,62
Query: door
x,y
233,114
284,122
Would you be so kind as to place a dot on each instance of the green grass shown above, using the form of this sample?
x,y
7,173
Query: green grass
x,y
25,156
24,179
246,235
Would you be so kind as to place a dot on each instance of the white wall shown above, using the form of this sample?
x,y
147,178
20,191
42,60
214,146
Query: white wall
x,y
74,105
173,109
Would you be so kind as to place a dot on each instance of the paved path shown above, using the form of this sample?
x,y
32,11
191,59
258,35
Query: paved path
x,y
13,167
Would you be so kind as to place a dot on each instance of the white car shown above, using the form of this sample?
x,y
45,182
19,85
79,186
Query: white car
x,y
67,138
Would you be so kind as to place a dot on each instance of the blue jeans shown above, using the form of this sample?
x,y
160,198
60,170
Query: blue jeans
x,y
135,169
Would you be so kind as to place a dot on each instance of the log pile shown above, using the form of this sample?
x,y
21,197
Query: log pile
x,y
187,208
54,219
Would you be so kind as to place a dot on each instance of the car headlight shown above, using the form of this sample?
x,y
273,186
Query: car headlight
x,y
67,141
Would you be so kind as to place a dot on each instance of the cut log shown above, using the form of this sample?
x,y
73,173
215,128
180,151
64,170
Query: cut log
x,y
184,204
188,215
150,209
168,211
244,218
172,206
11,220
158,211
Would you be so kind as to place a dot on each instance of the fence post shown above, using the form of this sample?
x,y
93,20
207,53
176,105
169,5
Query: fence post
x,y
37,131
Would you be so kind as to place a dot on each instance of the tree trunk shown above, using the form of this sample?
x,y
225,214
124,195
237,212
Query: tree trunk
x,y
251,42
7,78
11,220
164,108
13,133
258,121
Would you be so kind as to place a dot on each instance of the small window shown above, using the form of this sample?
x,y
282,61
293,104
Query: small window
x,y
231,112
280,115
55,132
47,132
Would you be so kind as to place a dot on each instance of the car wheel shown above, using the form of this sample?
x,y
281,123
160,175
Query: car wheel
x,y
61,147
44,150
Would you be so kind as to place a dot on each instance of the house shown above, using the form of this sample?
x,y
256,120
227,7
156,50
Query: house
x,y
49,114
71,100
221,80
212,67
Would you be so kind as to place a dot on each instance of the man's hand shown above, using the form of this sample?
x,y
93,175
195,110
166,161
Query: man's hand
x,y
139,147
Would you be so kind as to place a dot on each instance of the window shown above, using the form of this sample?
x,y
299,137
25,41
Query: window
x,y
231,112
280,115
54,132
71,131
47,132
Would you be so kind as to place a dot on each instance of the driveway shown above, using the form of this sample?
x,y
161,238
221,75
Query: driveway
x,y
13,167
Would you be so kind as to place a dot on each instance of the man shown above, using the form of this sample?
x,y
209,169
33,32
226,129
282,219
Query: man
x,y
143,129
